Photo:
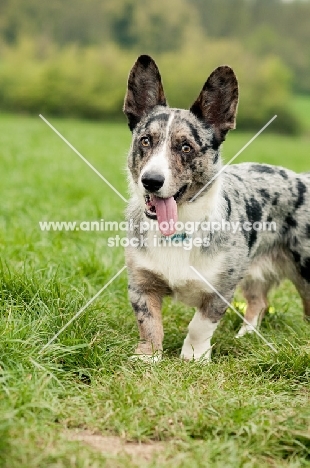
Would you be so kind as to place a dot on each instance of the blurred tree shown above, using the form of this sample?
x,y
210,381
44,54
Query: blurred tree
x,y
154,26
223,18
80,21
264,27
178,28
122,28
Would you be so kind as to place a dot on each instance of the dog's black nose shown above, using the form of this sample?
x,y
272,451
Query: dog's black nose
x,y
152,181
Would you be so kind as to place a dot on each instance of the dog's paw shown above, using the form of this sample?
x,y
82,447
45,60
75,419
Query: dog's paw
x,y
244,330
147,358
199,353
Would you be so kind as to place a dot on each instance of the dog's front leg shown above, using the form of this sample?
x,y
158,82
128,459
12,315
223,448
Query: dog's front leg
x,y
147,305
197,344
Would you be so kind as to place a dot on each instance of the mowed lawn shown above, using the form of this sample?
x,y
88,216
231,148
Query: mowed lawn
x,y
250,407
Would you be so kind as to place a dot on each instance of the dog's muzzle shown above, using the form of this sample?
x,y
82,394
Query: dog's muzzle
x,y
152,181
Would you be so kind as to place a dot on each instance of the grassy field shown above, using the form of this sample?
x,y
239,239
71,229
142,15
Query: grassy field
x,y
301,106
250,407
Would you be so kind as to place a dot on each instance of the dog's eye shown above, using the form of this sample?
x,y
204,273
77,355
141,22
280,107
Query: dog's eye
x,y
145,141
186,148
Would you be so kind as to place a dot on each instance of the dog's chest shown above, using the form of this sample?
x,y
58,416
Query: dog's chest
x,y
173,263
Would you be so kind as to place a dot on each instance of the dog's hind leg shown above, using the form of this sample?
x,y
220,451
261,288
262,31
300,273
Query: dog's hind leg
x,y
303,287
255,293
307,308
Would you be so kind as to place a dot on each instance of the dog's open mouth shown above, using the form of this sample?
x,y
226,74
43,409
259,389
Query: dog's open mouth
x,y
164,210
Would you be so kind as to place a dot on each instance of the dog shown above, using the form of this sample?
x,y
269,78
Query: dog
x,y
176,177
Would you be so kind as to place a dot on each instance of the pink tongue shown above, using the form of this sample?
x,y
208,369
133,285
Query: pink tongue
x,y
167,214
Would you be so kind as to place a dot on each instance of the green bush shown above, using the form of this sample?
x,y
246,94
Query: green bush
x,y
37,77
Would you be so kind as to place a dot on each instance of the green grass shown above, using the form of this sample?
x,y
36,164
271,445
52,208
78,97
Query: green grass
x,y
301,106
249,407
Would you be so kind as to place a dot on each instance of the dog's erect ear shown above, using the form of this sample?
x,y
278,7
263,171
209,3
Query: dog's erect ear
x,y
145,90
217,103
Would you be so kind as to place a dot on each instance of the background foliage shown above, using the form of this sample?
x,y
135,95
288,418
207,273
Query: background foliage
x,y
72,57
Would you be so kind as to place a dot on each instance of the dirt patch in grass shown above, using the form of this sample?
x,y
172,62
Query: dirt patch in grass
x,y
112,445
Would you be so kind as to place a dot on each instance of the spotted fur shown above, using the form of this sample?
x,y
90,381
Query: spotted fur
x,y
257,260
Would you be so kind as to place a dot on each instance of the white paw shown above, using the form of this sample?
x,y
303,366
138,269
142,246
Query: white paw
x,y
198,352
148,358
244,330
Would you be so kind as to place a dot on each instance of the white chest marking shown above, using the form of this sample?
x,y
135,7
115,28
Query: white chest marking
x,y
173,263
